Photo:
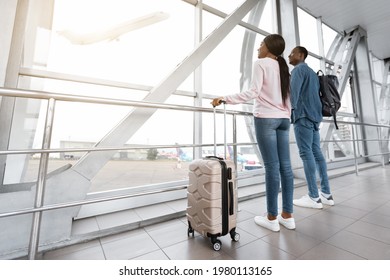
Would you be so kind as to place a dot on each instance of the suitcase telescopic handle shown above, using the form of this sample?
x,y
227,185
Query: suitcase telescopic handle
x,y
224,128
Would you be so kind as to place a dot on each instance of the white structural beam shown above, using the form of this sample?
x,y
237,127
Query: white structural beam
x,y
368,106
89,165
11,78
384,110
287,16
246,64
344,52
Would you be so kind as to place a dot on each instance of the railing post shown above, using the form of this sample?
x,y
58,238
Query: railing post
x,y
354,148
40,188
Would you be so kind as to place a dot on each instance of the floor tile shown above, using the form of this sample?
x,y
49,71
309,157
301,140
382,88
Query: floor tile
x,y
373,197
85,226
359,245
130,245
85,251
372,231
250,227
378,219
330,219
291,241
228,245
358,204
255,207
313,228
155,255
198,248
348,192
305,212
346,211
243,215
168,233
94,253
117,219
383,210
326,251
153,211
260,250
178,205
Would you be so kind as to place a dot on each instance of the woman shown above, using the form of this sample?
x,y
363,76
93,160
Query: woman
x,y
272,109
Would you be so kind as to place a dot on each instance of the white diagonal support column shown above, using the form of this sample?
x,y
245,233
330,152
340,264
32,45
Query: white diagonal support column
x,y
367,110
246,64
384,110
344,51
91,163
7,104
287,12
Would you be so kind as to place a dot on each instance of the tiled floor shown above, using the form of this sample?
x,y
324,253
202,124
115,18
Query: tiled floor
x,y
357,227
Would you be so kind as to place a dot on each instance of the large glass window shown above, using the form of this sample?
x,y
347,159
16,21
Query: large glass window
x,y
132,41
226,6
308,32
329,36
122,49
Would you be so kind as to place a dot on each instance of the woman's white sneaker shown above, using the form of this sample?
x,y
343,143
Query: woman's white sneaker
x,y
268,224
288,223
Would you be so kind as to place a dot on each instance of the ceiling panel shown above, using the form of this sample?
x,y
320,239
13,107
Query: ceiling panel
x,y
373,16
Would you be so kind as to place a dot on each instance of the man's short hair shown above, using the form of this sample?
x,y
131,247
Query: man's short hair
x,y
303,51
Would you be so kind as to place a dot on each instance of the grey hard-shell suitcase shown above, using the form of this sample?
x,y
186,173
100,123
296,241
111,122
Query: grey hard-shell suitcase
x,y
212,197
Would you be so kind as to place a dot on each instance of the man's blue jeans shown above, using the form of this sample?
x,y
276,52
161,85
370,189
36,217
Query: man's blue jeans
x,y
308,140
273,140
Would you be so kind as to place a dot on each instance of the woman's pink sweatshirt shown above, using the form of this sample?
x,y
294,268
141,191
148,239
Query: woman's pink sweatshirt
x,y
265,90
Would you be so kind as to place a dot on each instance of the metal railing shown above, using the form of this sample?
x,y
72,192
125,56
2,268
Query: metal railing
x,y
52,98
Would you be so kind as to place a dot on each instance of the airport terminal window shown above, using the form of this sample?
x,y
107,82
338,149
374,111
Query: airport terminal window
x,y
308,31
138,56
313,62
221,69
226,6
268,17
377,69
328,37
159,36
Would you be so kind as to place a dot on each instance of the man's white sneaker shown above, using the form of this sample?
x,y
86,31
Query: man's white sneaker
x,y
268,224
327,200
287,223
308,202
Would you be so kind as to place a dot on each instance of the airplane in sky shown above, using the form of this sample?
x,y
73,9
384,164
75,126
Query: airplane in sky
x,y
115,31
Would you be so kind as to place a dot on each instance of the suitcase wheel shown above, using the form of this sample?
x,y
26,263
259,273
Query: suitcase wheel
x,y
235,236
217,244
190,231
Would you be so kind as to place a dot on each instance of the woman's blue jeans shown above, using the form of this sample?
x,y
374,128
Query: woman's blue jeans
x,y
273,140
308,140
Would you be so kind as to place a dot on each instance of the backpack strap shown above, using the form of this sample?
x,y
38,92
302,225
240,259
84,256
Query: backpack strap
x,y
334,118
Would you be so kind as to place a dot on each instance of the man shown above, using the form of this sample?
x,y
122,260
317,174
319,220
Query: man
x,y
306,117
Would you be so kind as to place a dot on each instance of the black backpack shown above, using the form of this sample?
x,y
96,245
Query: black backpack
x,y
329,95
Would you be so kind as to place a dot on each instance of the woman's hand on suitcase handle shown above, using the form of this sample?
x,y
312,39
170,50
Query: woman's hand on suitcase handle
x,y
217,101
